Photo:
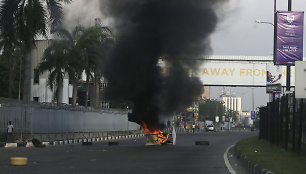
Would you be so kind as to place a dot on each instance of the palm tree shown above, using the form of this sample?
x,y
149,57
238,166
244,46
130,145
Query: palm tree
x,y
11,54
74,58
22,20
95,43
56,62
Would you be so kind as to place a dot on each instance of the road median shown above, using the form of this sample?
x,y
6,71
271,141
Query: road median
x,y
259,156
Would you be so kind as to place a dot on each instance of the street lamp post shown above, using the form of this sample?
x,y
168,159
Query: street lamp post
x,y
19,83
288,66
274,44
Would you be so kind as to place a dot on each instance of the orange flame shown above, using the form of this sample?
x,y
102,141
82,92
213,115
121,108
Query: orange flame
x,y
162,137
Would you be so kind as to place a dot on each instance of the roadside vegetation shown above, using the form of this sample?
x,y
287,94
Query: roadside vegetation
x,y
271,157
210,108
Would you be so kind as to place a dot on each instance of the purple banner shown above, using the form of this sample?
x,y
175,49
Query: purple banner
x,y
289,31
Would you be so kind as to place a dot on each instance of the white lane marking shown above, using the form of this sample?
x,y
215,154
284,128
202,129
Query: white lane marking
x,y
228,165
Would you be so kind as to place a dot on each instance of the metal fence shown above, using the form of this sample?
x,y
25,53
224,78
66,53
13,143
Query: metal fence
x,y
282,122
47,118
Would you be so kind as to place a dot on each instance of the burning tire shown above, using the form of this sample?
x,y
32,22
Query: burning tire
x,y
37,143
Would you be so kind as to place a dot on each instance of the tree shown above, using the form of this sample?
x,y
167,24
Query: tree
x,y
11,55
209,109
231,114
21,21
95,43
74,58
56,61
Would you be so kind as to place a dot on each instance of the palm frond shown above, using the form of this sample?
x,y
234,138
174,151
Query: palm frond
x,y
52,80
78,30
56,13
38,19
64,34
7,20
65,1
43,67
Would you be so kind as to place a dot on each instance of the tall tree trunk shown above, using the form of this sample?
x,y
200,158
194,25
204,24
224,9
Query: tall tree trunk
x,y
97,90
59,91
60,94
27,78
12,74
74,93
87,90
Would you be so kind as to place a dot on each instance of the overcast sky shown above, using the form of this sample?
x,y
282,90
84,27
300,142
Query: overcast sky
x,y
236,34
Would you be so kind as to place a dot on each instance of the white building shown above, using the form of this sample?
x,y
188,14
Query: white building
x,y
40,91
231,102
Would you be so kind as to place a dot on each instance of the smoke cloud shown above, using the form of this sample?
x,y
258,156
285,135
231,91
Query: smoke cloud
x,y
81,12
146,31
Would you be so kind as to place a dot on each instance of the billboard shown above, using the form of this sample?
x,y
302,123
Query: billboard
x,y
231,73
274,79
234,73
238,74
289,41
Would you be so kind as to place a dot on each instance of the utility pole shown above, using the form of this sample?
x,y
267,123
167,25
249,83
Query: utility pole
x,y
274,40
288,66
274,6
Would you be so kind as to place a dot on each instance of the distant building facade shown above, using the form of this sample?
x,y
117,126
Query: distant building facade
x,y
40,91
231,102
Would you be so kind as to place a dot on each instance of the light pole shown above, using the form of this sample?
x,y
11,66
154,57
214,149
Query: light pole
x,y
274,40
288,66
19,83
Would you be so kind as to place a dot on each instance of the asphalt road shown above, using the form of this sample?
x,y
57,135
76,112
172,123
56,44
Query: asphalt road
x,y
130,156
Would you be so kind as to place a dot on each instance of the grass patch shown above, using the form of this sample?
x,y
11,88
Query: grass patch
x,y
271,157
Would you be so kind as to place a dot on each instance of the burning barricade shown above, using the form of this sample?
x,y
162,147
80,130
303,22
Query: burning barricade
x,y
157,137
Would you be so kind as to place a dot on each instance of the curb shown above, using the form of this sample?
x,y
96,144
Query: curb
x,y
250,166
76,141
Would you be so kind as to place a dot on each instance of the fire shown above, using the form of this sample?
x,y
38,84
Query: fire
x,y
161,137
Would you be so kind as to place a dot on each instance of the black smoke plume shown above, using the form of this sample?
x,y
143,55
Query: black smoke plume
x,y
147,31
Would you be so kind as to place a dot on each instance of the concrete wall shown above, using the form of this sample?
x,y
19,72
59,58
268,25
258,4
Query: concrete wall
x,y
46,119
56,121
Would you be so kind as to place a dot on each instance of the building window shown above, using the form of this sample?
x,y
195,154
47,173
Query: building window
x,y
36,99
36,76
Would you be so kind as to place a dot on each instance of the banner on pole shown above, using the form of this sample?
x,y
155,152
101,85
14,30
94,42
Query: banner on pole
x,y
253,115
289,41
